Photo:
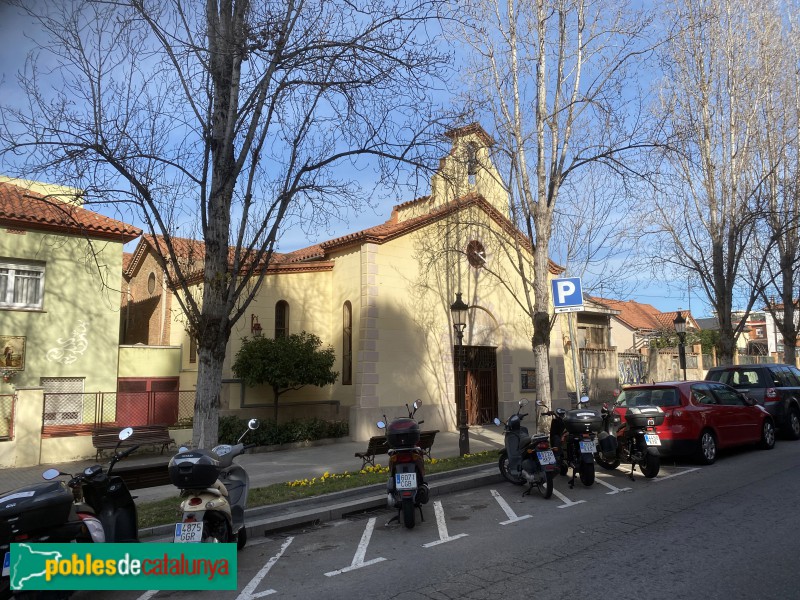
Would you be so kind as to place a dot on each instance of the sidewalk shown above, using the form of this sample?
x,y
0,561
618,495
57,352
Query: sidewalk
x,y
265,468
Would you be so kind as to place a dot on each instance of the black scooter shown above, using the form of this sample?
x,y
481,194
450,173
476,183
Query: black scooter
x,y
573,436
635,441
525,458
406,489
93,506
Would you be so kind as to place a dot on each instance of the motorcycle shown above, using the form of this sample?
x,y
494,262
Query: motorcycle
x,y
635,441
406,488
573,436
525,458
214,491
92,506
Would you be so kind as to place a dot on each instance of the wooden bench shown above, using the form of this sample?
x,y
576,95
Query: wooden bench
x,y
426,441
379,445
107,438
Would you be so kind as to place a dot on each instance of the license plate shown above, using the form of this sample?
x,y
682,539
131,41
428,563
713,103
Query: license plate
x,y
405,481
587,447
188,533
6,564
546,457
652,439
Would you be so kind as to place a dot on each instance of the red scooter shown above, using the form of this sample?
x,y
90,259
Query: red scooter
x,y
406,488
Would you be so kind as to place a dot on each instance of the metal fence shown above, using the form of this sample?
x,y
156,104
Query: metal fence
x,y
7,402
68,413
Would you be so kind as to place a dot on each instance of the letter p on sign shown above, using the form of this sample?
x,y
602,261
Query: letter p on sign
x,y
567,294
564,289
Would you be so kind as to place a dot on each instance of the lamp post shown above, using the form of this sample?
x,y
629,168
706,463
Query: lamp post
x,y
459,311
680,329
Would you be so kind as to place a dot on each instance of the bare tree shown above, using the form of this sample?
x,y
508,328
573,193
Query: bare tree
x,y
228,119
780,196
555,77
714,87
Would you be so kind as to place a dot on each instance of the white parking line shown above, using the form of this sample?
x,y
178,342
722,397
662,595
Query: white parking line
x,y
567,502
614,490
443,535
361,552
248,593
512,516
684,472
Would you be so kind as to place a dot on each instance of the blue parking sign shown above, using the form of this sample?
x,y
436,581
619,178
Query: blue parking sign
x,y
567,294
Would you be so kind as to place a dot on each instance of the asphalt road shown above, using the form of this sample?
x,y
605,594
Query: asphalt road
x,y
726,531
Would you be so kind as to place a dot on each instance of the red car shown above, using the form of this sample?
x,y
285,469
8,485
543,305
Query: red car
x,y
702,417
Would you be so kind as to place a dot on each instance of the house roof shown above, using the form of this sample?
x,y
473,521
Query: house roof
x,y
23,208
319,255
644,317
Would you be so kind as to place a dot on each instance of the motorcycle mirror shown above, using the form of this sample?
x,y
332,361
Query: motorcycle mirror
x,y
584,400
51,474
125,433
381,425
497,421
539,402
417,403
253,424
523,402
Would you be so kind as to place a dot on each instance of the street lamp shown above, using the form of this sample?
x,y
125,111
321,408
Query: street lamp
x,y
459,310
680,329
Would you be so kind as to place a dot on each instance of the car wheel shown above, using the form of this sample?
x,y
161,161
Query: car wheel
x,y
794,424
767,435
708,447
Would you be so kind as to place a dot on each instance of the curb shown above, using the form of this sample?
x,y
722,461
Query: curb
x,y
263,520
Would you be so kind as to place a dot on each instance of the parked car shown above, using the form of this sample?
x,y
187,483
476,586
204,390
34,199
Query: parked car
x,y
776,387
702,417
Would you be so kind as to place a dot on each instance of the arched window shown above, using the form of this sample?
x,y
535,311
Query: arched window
x,y
281,319
347,344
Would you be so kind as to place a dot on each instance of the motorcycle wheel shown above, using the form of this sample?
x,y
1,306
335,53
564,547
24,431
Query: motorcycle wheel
x,y
607,464
586,473
651,465
508,475
408,513
216,529
241,538
546,487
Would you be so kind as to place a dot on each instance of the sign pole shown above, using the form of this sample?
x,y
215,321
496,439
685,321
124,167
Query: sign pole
x,y
573,344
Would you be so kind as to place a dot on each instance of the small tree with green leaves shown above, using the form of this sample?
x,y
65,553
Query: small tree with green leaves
x,y
285,363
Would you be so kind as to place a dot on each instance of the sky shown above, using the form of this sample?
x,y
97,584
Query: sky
x,y
14,46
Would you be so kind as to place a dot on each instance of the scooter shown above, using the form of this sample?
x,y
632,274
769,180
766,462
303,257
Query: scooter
x,y
406,489
92,506
635,441
573,435
214,491
525,458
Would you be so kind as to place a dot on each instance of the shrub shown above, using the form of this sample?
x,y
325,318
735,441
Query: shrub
x,y
271,433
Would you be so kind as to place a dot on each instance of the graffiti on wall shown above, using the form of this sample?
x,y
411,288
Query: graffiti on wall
x,y
71,348
632,369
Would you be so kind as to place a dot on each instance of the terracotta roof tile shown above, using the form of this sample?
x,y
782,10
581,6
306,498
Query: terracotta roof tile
x,y
26,209
644,317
